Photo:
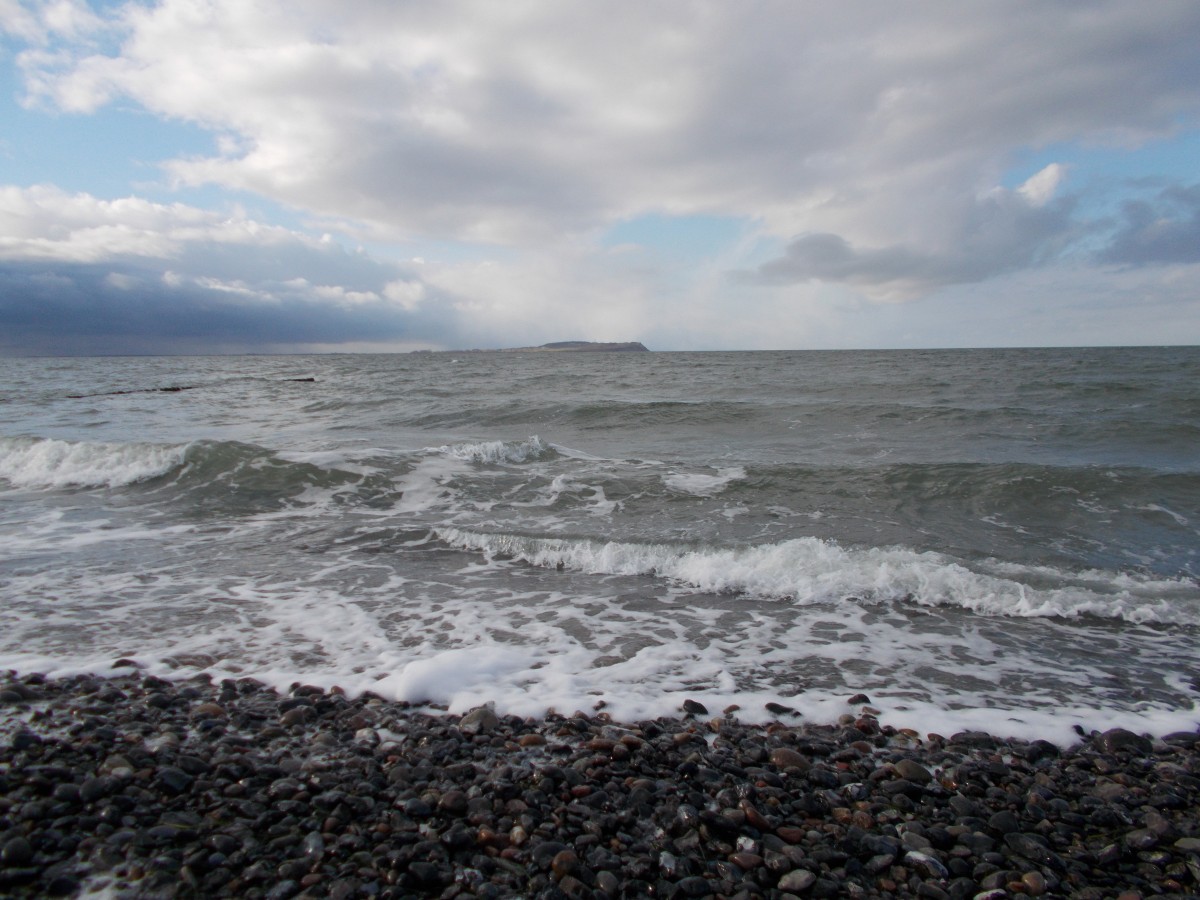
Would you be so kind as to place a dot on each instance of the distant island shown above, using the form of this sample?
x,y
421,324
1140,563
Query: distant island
x,y
562,347
584,347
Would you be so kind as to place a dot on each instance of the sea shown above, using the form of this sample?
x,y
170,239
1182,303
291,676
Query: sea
x,y
998,540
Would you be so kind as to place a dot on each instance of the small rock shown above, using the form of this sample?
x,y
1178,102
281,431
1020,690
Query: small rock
x,y
913,771
1141,839
368,736
23,740
1035,883
746,861
695,886
16,852
297,715
694,708
1004,822
1119,740
479,721
925,865
173,780
787,758
608,883
564,863
453,802
797,881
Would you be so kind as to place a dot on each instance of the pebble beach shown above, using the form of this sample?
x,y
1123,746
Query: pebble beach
x,y
137,786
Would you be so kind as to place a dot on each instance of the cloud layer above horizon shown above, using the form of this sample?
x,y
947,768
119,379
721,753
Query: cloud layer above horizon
x,y
388,176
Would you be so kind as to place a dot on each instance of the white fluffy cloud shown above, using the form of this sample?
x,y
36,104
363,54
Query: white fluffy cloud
x,y
515,121
867,142
44,222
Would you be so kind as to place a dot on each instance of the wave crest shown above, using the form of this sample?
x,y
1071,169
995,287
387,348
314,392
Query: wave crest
x,y
811,571
42,463
499,452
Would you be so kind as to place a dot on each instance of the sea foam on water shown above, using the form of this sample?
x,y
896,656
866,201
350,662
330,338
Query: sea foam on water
x,y
642,532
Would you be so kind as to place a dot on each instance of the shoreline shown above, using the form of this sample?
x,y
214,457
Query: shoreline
x,y
135,786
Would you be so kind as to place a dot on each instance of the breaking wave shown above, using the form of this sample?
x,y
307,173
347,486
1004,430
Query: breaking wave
x,y
813,571
42,463
500,452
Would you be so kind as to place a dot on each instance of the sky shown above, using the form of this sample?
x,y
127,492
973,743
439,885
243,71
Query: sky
x,y
233,176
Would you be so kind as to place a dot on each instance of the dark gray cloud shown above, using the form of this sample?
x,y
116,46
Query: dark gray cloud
x,y
81,274
1002,233
1162,230
67,309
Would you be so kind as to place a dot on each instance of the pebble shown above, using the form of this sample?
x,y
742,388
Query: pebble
x,y
188,789
787,758
913,771
479,721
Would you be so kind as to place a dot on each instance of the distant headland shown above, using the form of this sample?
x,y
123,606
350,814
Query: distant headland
x,y
562,347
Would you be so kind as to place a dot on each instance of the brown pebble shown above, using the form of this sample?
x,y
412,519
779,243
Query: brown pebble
x,y
746,861
297,715
913,771
787,758
753,817
1034,883
790,834
531,740
209,710
453,802
565,863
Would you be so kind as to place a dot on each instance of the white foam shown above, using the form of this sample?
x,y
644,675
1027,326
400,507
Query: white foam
x,y
809,570
703,485
45,463
481,640
498,452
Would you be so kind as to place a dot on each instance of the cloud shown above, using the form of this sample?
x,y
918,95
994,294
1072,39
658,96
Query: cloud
x,y
129,275
865,146
1003,231
1163,230
514,123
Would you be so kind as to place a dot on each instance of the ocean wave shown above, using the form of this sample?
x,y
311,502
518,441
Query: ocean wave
x,y
814,571
701,484
42,463
500,452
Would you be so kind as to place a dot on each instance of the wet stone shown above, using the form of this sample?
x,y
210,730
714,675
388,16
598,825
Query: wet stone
x,y
16,852
797,881
173,780
787,758
577,806
694,708
1120,740
913,771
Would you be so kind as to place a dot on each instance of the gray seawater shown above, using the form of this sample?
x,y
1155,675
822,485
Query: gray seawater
x,y
1002,539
